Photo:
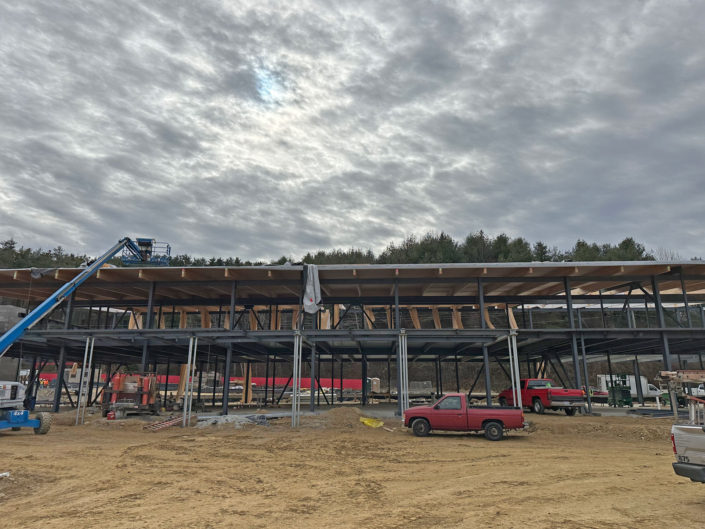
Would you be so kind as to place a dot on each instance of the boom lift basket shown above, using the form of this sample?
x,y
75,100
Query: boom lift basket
x,y
151,253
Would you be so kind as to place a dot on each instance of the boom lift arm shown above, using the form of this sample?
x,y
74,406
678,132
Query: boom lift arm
x,y
62,293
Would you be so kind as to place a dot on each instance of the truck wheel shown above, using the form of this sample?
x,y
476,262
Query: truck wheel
x,y
420,427
502,401
570,412
537,406
494,430
45,420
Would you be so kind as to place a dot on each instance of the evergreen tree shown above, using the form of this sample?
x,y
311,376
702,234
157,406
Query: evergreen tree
x,y
541,252
440,247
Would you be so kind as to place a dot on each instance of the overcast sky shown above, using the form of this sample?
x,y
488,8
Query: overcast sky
x,y
264,129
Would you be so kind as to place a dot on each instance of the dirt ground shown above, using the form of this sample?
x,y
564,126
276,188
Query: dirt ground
x,y
571,472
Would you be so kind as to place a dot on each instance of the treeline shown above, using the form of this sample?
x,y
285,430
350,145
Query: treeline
x,y
13,257
442,248
431,248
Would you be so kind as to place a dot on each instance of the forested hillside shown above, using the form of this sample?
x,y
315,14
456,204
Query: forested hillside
x,y
431,248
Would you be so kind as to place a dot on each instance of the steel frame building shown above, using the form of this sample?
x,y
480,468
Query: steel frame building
x,y
445,313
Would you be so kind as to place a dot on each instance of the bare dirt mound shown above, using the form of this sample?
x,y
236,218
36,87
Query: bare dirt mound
x,y
344,418
336,419
641,429
95,420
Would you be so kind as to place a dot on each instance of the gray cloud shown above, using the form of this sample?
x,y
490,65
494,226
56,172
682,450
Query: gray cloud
x,y
260,129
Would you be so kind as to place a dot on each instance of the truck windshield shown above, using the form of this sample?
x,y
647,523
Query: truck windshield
x,y
539,384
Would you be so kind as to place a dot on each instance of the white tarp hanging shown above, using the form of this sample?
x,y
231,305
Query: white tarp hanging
x,y
312,291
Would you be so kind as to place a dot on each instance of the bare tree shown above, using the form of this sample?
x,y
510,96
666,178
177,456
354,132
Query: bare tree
x,y
665,254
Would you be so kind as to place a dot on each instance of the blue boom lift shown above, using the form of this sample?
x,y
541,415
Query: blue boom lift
x,y
142,252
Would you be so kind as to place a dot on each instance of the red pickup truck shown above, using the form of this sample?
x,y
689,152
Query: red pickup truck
x,y
540,394
452,413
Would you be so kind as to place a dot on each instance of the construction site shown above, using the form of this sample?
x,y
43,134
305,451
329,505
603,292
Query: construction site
x,y
193,380
352,264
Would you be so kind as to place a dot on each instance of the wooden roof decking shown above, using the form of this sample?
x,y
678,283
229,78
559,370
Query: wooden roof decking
x,y
432,281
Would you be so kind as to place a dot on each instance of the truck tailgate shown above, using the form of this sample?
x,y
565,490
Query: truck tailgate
x,y
562,392
690,443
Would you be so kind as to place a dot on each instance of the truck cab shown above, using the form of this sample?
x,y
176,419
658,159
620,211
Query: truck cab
x,y
452,413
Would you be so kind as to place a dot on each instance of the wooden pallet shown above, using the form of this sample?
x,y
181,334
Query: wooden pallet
x,y
167,423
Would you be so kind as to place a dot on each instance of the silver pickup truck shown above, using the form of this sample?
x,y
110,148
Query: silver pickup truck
x,y
689,448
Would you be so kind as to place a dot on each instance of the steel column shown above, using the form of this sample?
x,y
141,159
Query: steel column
x,y
609,368
685,302
403,389
389,377
62,357
585,366
481,301
457,376
514,362
488,381
166,380
573,338
274,376
312,403
91,382
400,367
248,383
200,381
341,380
148,325
266,377
188,389
363,375
296,376
485,352
32,375
228,352
82,400
215,382
637,377
397,316
662,324
437,384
